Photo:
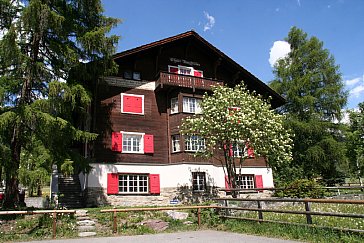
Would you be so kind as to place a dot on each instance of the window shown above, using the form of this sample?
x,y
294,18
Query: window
x,y
132,143
133,183
194,143
198,181
136,76
128,74
175,143
238,150
185,71
245,181
124,183
174,105
132,104
191,105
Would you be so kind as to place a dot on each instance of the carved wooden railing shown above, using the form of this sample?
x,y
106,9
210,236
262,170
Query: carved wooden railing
x,y
193,82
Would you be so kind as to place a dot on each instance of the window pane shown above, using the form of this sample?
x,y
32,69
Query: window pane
x,y
175,143
132,142
198,181
174,105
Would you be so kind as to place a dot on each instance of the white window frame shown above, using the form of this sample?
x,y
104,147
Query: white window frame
x,y
245,181
194,143
142,181
199,181
141,143
195,108
239,149
176,143
122,103
190,69
174,105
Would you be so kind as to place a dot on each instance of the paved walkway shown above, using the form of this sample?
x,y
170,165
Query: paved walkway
x,y
207,236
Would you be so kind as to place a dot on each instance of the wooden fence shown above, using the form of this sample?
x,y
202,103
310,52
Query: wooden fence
x,y
115,211
52,212
226,211
308,212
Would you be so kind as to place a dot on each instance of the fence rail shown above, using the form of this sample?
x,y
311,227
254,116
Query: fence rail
x,y
115,211
308,212
53,212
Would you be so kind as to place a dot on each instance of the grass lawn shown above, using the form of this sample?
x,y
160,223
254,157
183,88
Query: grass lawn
x,y
31,227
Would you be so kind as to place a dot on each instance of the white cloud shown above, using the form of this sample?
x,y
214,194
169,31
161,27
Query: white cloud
x,y
355,86
279,49
299,3
357,91
353,81
210,21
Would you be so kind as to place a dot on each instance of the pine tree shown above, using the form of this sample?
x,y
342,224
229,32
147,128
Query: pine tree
x,y
311,83
355,142
43,43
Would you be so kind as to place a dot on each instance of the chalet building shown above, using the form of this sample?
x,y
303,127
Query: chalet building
x,y
140,156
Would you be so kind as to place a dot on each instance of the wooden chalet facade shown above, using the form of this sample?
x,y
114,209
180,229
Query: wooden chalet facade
x,y
140,156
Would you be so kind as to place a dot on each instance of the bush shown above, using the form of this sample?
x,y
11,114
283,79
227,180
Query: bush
x,y
302,188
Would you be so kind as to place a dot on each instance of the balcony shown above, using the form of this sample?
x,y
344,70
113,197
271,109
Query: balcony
x,y
171,79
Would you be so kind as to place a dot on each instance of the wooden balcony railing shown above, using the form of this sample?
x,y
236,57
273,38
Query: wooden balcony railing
x,y
179,80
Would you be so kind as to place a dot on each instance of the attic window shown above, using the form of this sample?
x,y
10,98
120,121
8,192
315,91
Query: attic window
x,y
185,71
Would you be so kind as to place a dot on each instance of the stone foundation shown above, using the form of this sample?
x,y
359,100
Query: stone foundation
x,y
97,196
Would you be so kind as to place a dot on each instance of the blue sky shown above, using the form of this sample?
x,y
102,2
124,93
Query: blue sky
x,y
246,30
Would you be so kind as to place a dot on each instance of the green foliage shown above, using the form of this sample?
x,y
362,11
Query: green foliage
x,y
236,117
311,83
302,188
37,227
44,44
355,141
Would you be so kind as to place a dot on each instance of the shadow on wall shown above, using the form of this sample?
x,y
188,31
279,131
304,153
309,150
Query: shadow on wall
x,y
187,195
96,196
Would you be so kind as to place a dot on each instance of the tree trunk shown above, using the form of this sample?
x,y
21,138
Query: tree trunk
x,y
12,190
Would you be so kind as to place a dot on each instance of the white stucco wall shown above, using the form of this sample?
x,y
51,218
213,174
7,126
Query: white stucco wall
x,y
173,175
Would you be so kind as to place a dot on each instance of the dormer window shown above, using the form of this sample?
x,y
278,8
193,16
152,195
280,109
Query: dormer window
x,y
185,71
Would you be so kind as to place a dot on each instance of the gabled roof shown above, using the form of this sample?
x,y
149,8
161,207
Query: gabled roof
x,y
278,100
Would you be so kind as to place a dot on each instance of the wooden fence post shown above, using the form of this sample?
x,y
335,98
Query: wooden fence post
x,y
227,212
199,216
54,224
308,216
115,226
260,213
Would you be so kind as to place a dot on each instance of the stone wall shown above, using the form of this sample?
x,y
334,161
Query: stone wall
x,y
97,196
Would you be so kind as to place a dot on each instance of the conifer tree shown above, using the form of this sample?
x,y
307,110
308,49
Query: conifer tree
x,y
43,42
355,142
311,83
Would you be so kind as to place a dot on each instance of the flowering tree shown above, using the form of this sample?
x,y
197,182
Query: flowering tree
x,y
234,120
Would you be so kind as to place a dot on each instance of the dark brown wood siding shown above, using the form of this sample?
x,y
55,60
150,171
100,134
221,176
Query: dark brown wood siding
x,y
109,118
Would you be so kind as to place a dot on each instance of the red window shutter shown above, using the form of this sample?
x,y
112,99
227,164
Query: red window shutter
x,y
116,141
138,105
133,104
227,184
154,184
173,70
231,152
197,73
148,144
112,183
258,181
